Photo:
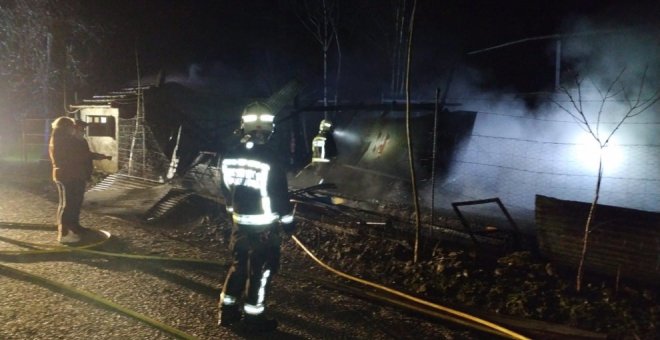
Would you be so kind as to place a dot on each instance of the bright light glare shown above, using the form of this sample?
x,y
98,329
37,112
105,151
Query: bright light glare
x,y
346,136
266,118
588,152
249,118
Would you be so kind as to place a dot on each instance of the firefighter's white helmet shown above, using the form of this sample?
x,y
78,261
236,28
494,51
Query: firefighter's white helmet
x,y
257,123
325,125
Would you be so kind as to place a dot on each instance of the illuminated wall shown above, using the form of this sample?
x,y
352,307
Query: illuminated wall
x,y
102,134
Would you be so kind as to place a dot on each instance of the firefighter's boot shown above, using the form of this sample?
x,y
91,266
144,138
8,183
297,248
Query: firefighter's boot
x,y
229,315
259,323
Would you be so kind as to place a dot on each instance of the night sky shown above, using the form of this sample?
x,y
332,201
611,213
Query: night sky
x,y
265,43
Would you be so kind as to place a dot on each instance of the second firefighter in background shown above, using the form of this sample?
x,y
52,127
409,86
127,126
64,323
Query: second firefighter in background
x,y
255,189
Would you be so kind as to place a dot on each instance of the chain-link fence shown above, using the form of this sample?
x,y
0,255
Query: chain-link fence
x,y
517,157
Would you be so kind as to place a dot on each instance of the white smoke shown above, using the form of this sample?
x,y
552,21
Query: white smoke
x,y
516,152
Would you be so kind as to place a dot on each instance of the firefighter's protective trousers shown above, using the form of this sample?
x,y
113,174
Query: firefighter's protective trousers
x,y
256,258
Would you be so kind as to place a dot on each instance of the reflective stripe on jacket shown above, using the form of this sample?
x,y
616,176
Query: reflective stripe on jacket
x,y
255,187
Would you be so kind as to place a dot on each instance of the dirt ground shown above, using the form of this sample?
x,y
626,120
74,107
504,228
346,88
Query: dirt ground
x,y
181,295
519,284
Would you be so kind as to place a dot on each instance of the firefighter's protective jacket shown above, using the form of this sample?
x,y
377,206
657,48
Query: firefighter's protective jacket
x,y
255,188
324,148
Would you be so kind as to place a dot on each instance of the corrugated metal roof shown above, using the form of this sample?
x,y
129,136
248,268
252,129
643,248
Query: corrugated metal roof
x,y
126,196
121,181
167,204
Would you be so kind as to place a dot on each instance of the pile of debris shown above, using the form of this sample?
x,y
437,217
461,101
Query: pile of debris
x,y
518,284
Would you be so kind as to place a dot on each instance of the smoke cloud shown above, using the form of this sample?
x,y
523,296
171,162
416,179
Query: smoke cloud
x,y
516,152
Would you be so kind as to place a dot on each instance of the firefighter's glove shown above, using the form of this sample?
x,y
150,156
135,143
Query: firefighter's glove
x,y
289,228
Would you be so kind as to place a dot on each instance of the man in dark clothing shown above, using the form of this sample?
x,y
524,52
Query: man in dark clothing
x,y
255,189
72,167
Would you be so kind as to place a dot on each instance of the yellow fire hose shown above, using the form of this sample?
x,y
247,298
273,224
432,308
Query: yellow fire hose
x,y
79,293
483,324
452,315
85,295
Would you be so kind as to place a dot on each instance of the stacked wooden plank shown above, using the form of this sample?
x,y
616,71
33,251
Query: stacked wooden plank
x,y
623,242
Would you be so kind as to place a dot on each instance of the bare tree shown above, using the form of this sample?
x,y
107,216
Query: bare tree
x,y
43,47
319,18
411,161
402,15
636,101
338,73
389,32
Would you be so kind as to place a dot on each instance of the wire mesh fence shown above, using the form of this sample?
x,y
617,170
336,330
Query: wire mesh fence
x,y
140,155
515,158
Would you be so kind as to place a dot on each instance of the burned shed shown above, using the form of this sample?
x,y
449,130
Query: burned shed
x,y
140,126
371,168
166,140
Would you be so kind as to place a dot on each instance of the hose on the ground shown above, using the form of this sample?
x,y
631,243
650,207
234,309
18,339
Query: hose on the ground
x,y
489,325
89,296
79,293
453,315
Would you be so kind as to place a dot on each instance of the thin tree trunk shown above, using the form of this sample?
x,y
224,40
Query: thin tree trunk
x,y
399,43
325,59
400,82
587,227
395,52
433,158
338,74
411,162
325,81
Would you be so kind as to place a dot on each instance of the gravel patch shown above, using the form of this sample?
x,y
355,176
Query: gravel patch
x,y
180,295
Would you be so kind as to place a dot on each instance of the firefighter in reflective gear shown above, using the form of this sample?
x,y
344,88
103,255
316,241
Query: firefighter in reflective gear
x,y
255,189
323,145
